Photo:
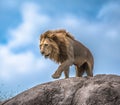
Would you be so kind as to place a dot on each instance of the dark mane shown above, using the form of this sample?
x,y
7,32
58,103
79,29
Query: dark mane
x,y
62,45
62,51
65,33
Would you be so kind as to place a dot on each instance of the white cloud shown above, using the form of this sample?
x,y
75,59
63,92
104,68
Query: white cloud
x,y
110,11
25,33
22,63
109,16
69,20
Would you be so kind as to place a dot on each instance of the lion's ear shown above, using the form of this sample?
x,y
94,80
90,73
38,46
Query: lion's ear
x,y
41,36
53,37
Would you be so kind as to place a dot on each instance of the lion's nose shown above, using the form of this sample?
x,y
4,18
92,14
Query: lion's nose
x,y
42,52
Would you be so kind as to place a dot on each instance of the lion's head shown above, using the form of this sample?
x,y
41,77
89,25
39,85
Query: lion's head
x,y
53,45
48,47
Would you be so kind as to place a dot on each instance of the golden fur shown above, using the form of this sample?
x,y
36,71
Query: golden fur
x,y
61,47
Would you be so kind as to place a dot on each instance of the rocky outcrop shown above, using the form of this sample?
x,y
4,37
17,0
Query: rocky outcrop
x,y
97,90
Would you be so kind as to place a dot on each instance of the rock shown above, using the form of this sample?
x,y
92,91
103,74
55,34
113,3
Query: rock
x,y
0,103
97,90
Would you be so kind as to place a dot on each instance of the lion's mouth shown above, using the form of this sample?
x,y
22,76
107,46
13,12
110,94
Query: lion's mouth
x,y
47,55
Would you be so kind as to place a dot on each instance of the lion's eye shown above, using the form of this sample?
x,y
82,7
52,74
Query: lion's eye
x,y
45,44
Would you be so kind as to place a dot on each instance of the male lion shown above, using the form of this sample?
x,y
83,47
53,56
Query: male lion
x,y
61,47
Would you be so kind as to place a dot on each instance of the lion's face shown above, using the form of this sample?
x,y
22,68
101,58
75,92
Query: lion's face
x,y
53,45
46,47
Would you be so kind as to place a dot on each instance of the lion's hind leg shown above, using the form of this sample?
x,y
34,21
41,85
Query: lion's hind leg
x,y
89,70
84,67
79,71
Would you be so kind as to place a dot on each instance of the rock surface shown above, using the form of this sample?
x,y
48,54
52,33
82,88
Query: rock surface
x,y
97,90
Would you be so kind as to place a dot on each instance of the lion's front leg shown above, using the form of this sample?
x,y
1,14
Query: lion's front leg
x,y
64,66
66,73
57,74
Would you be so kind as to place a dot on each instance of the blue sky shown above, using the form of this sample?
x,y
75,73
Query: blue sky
x,y
93,22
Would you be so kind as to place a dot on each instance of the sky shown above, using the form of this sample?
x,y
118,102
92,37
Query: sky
x,y
95,23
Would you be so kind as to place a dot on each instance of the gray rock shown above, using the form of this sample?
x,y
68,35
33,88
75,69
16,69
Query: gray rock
x,y
97,90
0,102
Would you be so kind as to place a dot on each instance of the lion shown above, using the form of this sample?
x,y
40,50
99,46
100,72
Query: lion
x,y
61,47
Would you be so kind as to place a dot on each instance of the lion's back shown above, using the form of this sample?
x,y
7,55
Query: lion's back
x,y
81,52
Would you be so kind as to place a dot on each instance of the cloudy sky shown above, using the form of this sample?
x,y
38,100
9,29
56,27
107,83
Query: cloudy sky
x,y
96,23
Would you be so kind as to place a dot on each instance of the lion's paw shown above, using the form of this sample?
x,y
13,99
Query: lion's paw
x,y
55,76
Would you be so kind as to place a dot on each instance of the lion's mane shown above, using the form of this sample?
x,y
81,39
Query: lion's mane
x,y
59,50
